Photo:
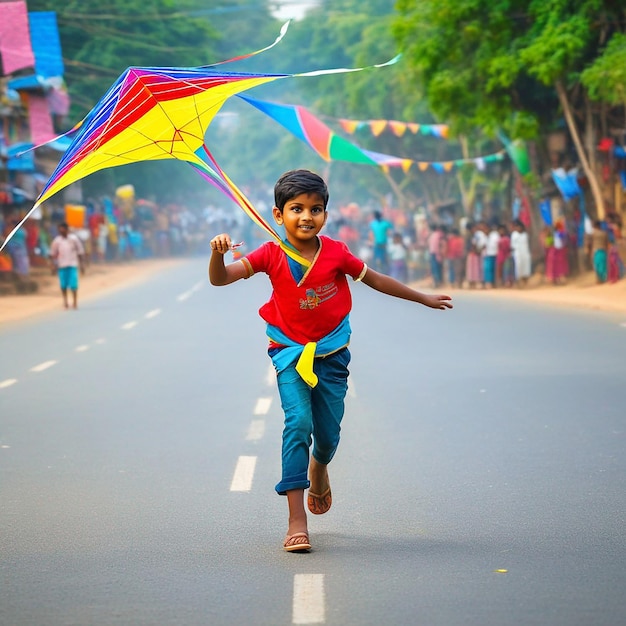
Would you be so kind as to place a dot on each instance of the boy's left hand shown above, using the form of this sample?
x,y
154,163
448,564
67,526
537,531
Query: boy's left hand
x,y
440,302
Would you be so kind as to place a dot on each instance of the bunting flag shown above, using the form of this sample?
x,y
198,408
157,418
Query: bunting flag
x,y
332,147
155,113
378,127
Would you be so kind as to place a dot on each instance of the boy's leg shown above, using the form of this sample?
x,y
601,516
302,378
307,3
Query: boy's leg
x,y
328,409
295,396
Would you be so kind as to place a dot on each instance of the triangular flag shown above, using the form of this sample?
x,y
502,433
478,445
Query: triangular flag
x,y
349,125
378,126
406,165
397,128
413,127
423,165
448,165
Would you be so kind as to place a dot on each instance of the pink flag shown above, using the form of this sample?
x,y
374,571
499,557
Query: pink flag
x,y
41,129
15,47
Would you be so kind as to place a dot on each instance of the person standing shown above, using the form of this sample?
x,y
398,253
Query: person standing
x,y
490,256
379,233
598,246
520,248
67,255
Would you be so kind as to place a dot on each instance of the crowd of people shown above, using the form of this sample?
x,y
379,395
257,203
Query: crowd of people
x,y
110,234
461,253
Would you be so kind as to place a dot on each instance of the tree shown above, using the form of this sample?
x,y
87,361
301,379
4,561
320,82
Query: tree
x,y
505,63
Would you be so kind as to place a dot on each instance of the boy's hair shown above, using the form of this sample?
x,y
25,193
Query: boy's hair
x,y
295,182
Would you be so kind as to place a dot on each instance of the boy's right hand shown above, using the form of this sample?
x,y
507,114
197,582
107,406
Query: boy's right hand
x,y
221,243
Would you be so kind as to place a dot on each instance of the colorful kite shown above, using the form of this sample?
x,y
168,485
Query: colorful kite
x,y
332,147
154,113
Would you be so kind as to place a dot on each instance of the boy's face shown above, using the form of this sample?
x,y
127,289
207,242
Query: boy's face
x,y
303,217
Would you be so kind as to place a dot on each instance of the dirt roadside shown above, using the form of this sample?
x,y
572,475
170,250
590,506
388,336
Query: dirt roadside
x,y
582,293
97,280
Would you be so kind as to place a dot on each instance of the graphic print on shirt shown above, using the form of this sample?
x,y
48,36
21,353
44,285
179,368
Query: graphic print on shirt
x,y
315,297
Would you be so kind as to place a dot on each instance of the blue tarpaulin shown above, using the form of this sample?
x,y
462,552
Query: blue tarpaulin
x,y
46,43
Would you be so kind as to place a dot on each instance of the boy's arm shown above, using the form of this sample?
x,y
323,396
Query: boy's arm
x,y
390,286
219,272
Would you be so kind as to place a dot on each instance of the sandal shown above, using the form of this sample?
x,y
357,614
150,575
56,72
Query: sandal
x,y
298,542
319,504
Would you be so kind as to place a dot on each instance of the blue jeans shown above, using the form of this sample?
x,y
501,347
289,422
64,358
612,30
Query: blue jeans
x,y
311,414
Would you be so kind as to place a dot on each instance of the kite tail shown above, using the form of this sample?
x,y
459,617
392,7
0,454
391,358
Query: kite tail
x,y
45,143
283,30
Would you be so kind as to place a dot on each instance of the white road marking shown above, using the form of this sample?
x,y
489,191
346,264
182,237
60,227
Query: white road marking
x,y
623,324
256,430
308,599
351,388
82,348
8,382
262,406
100,341
188,294
270,377
244,473
5,447
152,314
129,325
43,366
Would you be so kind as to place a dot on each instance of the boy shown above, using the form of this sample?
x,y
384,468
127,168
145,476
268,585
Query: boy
x,y
66,256
309,331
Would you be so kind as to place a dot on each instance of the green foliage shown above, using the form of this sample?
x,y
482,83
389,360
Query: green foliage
x,y
605,78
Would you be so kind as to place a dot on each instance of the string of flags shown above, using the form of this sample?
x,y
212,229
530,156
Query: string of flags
x,y
332,147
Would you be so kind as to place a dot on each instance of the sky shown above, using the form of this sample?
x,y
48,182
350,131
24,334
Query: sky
x,y
292,9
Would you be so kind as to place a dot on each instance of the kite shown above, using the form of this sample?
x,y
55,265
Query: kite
x,y
332,147
155,113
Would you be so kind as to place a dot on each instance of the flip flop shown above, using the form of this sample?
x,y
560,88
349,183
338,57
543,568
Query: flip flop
x,y
319,504
298,542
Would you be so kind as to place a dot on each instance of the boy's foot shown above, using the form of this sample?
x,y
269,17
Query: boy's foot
x,y
298,542
320,498
319,504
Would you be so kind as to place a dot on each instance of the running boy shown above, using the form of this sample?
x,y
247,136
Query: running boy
x,y
308,328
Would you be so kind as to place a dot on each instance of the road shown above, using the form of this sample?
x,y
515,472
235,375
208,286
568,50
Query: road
x,y
480,479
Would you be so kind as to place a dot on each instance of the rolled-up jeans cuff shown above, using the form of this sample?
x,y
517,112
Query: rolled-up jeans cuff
x,y
292,482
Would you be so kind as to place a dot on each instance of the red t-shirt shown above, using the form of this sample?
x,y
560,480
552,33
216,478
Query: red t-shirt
x,y
308,310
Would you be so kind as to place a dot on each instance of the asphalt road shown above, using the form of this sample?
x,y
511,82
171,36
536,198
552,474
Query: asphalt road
x,y
480,479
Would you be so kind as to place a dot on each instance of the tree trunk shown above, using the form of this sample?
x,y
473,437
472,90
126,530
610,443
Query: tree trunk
x,y
596,191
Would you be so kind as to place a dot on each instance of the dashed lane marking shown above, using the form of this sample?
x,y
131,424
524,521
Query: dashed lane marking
x,y
270,377
187,294
244,474
82,348
43,366
308,599
152,314
351,388
129,325
7,383
100,341
256,430
262,406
